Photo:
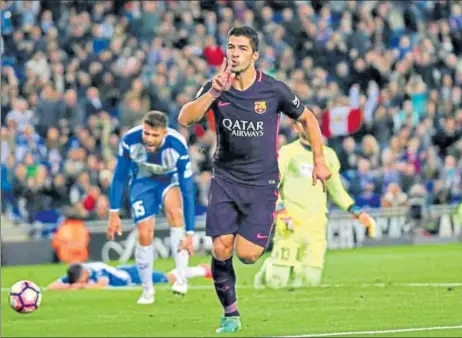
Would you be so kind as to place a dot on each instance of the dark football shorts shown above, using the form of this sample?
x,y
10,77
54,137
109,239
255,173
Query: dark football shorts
x,y
240,209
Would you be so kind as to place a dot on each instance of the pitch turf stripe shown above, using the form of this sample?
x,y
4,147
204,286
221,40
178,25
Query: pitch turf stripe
x,y
209,287
333,334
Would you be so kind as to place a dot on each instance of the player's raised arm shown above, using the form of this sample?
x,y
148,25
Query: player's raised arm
x,y
117,190
194,110
291,106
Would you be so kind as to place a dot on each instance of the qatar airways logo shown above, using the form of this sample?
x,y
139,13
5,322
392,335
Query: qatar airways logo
x,y
243,128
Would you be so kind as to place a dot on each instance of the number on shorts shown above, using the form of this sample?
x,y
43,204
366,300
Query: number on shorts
x,y
138,208
288,255
285,254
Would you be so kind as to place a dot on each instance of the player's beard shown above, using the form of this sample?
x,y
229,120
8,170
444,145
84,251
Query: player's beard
x,y
239,72
150,147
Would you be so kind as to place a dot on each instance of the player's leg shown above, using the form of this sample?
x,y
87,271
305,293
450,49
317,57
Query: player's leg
x,y
144,257
201,270
259,280
145,206
224,280
284,259
247,251
173,208
265,275
314,251
256,224
221,225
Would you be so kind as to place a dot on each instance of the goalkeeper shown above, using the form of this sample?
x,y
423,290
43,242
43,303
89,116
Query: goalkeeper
x,y
301,218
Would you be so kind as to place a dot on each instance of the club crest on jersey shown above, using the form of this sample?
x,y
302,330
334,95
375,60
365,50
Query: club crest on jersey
x,y
260,107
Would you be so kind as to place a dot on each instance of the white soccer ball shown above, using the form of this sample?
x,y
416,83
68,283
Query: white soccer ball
x,y
25,296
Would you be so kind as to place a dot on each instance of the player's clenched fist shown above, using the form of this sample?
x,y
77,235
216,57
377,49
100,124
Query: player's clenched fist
x,y
114,225
223,80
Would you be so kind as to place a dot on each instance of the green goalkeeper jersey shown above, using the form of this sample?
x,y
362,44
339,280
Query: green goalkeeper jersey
x,y
296,188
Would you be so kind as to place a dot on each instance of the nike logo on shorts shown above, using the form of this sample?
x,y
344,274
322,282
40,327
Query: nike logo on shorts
x,y
222,104
260,236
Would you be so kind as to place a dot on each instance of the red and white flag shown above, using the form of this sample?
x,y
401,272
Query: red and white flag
x,y
341,121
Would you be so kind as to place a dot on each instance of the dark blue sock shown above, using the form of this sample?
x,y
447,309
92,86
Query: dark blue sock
x,y
224,280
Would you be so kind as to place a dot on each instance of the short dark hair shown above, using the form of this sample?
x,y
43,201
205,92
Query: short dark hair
x,y
156,119
248,32
74,272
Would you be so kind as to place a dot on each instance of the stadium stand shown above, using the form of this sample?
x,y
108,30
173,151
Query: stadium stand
x,y
76,75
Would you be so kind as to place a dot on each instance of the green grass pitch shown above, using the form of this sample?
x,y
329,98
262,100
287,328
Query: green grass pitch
x,y
364,290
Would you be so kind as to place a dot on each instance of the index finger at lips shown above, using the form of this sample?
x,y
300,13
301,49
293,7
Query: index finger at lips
x,y
223,65
228,68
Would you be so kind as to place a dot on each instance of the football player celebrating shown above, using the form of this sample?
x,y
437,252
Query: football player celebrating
x,y
247,105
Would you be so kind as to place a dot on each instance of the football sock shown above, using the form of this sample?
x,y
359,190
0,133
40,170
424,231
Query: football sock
x,y
224,280
144,256
191,272
181,257
195,271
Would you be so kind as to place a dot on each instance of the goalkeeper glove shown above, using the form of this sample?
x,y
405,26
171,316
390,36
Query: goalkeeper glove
x,y
365,219
282,215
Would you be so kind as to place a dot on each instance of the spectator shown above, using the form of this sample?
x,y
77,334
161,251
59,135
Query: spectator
x,y
71,112
451,176
213,53
362,177
101,210
48,109
394,197
447,136
29,143
5,145
39,66
58,191
348,155
7,185
389,172
93,104
370,150
20,115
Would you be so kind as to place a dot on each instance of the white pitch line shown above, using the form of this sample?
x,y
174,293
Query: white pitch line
x,y
208,287
333,334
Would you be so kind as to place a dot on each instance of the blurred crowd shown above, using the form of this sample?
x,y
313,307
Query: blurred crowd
x,y
76,75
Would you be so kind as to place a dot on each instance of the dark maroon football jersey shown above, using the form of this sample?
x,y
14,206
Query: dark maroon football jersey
x,y
247,127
